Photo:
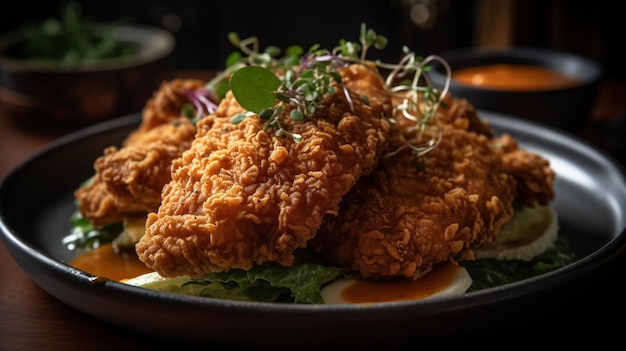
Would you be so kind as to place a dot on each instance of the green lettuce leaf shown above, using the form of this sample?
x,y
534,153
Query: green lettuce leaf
x,y
488,273
300,283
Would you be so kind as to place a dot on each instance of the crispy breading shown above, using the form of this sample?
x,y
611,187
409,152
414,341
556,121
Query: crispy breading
x,y
128,180
533,173
412,213
534,176
166,103
242,196
460,113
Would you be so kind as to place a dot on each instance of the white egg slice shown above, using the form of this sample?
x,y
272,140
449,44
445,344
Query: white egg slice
x,y
447,279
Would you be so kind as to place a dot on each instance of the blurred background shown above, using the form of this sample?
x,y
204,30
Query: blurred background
x,y
588,28
593,29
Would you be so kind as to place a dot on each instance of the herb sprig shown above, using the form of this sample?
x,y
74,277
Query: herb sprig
x,y
264,84
72,40
420,102
303,86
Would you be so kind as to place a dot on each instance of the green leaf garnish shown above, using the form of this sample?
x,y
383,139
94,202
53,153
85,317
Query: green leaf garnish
x,y
85,237
254,88
307,79
72,40
488,273
300,283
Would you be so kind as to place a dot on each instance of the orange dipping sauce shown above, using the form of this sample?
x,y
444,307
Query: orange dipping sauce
x,y
110,262
399,289
513,77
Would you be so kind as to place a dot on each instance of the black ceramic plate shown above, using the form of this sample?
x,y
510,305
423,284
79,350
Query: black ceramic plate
x,y
36,202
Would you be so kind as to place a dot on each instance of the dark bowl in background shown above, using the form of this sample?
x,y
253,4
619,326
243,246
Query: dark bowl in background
x,y
566,108
53,94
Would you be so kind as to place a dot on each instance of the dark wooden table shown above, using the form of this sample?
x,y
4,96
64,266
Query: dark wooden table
x,y
32,319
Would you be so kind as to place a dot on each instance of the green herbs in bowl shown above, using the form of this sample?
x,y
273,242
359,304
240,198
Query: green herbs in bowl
x,y
75,72
71,40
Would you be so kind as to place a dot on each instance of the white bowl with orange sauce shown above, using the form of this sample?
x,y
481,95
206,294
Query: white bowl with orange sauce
x,y
551,87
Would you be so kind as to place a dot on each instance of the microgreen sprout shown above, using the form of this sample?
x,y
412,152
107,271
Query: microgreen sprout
x,y
419,103
72,40
301,82
302,86
202,101
268,58
357,52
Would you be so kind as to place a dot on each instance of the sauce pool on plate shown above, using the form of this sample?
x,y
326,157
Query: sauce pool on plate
x,y
513,77
111,262
446,279
400,288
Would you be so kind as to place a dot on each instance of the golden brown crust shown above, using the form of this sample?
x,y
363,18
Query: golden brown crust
x,y
167,103
535,177
402,220
241,196
411,214
128,181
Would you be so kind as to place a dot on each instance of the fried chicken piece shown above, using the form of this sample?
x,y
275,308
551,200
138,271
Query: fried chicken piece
x,y
411,214
534,176
128,181
532,172
462,114
241,196
167,103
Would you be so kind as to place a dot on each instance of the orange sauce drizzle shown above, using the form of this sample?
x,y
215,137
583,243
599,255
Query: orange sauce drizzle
x,y
110,262
399,289
513,77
